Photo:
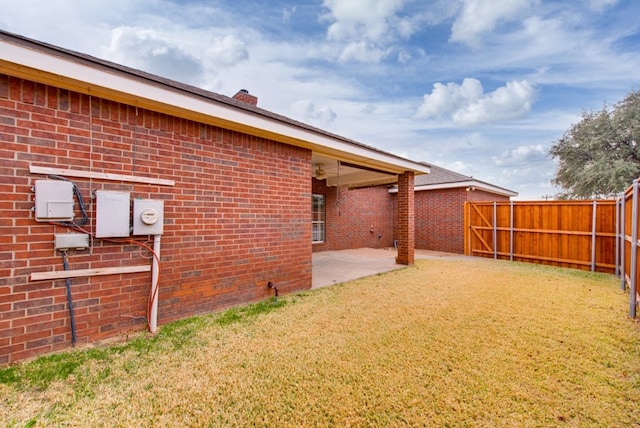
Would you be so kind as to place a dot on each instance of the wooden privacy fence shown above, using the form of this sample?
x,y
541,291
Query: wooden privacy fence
x,y
573,234
595,235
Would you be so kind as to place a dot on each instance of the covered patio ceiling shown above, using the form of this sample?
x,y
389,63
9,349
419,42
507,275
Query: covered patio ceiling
x,y
340,172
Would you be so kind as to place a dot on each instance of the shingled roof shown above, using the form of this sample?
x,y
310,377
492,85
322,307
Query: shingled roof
x,y
442,178
440,175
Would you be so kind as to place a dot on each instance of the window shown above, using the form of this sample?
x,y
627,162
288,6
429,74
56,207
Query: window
x,y
317,221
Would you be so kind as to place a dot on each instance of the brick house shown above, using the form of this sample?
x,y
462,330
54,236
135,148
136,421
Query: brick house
x,y
102,166
365,216
439,203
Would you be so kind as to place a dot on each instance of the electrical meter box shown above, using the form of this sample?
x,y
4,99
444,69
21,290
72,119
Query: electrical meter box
x,y
112,214
53,200
148,217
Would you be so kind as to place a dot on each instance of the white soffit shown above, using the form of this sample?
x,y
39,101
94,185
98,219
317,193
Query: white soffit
x,y
80,75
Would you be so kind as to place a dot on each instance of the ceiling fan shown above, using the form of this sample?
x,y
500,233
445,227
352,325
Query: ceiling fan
x,y
320,173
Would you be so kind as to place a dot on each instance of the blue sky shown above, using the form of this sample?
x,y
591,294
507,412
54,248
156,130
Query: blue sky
x,y
482,87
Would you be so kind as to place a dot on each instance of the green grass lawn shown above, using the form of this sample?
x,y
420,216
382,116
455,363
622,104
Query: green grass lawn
x,y
470,342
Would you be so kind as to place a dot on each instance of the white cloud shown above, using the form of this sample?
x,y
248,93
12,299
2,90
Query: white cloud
x,y
481,16
362,52
361,18
460,167
449,98
367,28
307,111
287,13
188,55
601,5
404,57
508,102
147,50
522,156
467,104
227,51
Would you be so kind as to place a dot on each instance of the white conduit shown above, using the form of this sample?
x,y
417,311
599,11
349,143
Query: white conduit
x,y
155,270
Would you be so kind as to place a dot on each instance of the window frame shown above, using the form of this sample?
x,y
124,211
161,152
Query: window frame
x,y
318,218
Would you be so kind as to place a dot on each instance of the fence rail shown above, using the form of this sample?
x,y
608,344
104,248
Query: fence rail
x,y
595,235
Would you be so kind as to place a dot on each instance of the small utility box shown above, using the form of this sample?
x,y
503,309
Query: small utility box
x,y
71,241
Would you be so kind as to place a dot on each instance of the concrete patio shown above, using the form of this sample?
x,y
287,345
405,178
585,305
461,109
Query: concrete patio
x,y
334,267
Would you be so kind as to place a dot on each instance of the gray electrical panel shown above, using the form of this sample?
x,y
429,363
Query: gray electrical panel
x,y
112,214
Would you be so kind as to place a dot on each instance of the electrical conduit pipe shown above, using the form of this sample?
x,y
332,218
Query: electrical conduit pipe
x,y
155,271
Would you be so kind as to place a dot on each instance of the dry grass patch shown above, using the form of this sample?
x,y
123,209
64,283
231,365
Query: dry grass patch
x,y
444,343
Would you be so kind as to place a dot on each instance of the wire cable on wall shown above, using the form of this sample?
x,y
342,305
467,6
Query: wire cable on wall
x,y
154,289
65,264
78,195
77,225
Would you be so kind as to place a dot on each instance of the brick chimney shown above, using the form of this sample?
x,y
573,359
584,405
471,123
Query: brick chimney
x,y
244,96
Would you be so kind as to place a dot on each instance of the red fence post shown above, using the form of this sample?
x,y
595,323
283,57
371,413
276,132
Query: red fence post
x,y
633,276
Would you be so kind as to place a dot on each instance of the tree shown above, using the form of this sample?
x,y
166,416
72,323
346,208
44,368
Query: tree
x,y
600,155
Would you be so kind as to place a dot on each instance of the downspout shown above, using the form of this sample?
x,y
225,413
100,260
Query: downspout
x,y
155,270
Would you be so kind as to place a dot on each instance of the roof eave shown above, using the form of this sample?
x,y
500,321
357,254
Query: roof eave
x,y
45,64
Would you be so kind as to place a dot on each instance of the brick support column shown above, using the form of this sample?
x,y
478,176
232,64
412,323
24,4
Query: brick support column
x,y
406,221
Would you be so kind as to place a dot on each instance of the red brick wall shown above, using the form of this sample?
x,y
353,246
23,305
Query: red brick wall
x,y
358,218
237,217
439,217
